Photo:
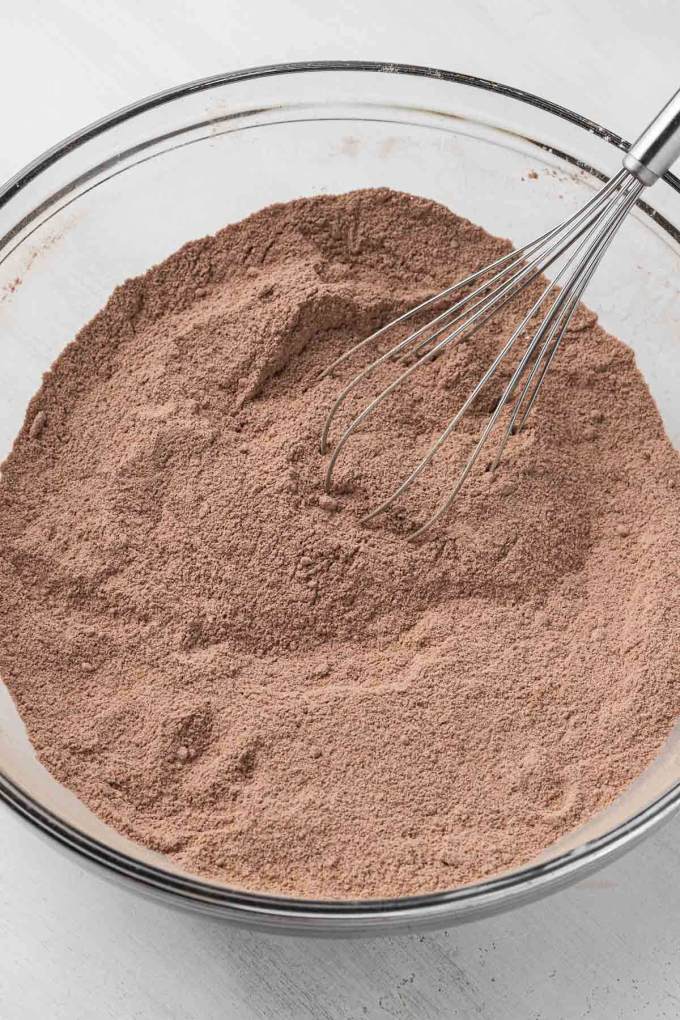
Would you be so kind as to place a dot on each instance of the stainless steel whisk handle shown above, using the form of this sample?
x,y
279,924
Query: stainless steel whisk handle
x,y
658,146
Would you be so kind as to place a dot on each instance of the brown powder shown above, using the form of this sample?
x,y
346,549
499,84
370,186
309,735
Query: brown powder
x,y
226,666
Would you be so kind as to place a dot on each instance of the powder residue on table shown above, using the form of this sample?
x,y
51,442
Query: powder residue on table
x,y
228,667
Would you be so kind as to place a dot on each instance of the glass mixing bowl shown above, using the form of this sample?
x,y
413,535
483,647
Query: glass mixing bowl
x,y
126,192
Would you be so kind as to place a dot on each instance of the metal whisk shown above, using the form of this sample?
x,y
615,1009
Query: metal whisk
x,y
580,242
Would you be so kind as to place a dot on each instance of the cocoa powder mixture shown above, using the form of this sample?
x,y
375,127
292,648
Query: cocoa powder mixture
x,y
227,667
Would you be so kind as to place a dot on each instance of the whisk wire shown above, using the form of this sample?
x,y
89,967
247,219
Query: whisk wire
x,y
472,318
455,421
592,266
554,324
583,238
515,256
565,305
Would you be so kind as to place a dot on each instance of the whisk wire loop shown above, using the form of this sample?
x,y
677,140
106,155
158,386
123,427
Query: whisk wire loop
x,y
581,241
473,316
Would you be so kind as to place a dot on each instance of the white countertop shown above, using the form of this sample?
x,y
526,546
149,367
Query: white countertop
x,y
74,947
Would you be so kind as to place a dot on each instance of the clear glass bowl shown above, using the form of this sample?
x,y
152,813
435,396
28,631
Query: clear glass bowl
x,y
126,192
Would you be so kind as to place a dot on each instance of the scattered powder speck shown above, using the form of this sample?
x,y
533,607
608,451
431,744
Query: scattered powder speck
x,y
225,665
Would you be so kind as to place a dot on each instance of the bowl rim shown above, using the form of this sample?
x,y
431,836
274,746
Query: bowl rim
x,y
42,162
492,893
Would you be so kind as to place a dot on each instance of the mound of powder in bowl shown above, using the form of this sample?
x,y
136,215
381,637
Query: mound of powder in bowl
x,y
226,665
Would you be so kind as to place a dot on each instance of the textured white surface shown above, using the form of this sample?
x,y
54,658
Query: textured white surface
x,y
73,947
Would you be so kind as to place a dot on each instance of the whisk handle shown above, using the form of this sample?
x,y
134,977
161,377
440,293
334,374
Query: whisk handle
x,y
658,146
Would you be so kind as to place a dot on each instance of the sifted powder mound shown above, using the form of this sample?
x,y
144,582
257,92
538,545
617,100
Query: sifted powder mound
x,y
227,667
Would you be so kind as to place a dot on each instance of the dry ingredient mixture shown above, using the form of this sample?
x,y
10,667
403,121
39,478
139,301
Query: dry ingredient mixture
x,y
227,667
